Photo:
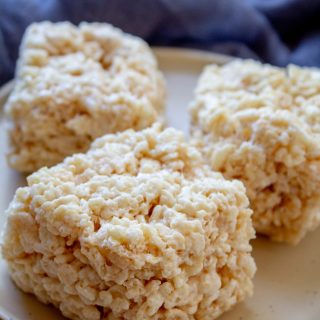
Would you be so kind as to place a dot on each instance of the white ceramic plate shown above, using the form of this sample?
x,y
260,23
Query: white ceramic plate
x,y
287,283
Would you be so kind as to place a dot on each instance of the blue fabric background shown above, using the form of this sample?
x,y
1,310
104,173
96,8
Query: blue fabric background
x,y
274,31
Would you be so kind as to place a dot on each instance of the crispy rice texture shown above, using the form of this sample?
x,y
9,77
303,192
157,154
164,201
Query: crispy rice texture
x,y
74,84
261,124
137,228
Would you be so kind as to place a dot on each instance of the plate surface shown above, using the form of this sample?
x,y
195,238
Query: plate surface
x,y
287,283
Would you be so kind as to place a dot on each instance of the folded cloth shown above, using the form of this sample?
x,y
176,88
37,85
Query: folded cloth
x,y
277,31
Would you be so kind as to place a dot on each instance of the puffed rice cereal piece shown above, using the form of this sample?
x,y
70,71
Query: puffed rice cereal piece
x,y
261,124
74,84
137,228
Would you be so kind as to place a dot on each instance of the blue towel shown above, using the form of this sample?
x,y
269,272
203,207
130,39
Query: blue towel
x,y
274,31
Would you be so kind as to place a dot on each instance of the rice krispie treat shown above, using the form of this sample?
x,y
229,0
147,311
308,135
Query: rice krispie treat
x,y
261,124
74,84
137,228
